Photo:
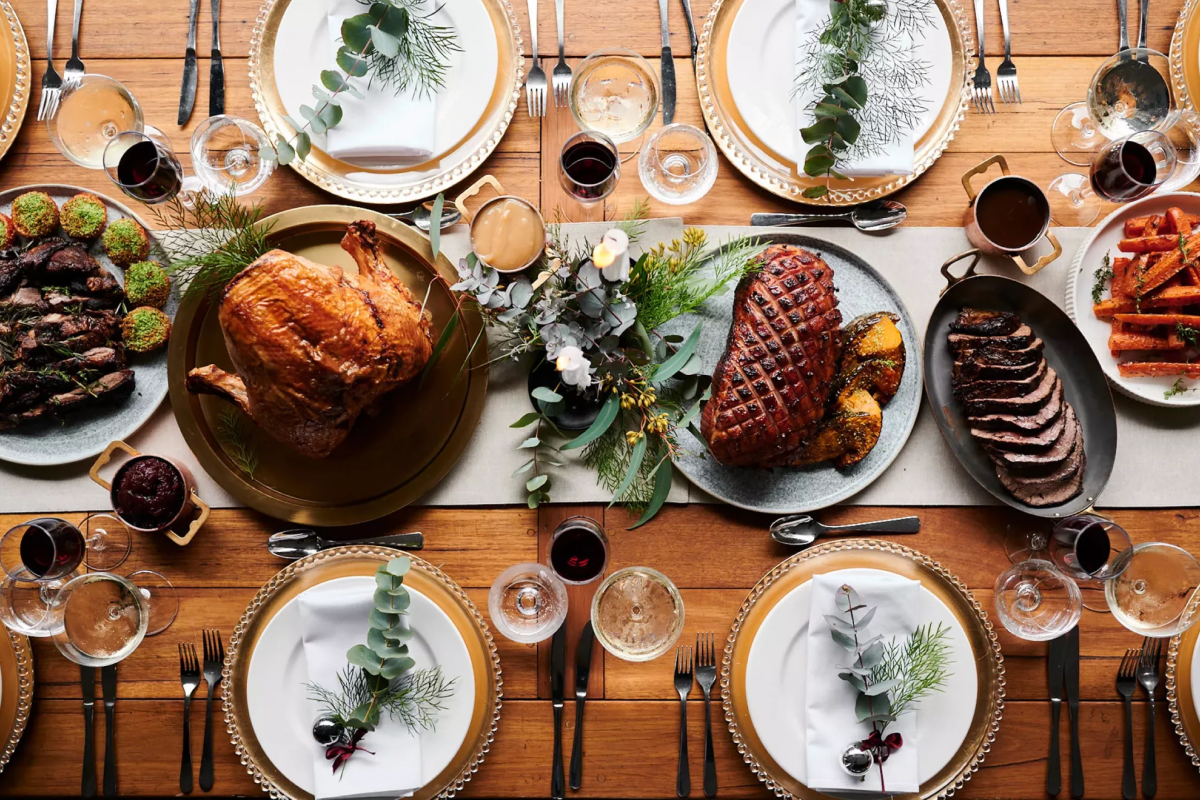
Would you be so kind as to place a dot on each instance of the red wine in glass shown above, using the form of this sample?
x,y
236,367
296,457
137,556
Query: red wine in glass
x,y
590,170
1125,172
145,173
1092,548
51,548
579,551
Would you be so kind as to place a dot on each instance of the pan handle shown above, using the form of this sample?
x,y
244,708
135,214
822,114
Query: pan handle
x,y
970,272
1044,260
979,169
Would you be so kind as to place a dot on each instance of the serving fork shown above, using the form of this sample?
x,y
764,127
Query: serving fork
x,y
51,81
706,676
189,675
1006,73
683,685
1126,685
73,74
982,81
561,76
1147,675
214,660
535,81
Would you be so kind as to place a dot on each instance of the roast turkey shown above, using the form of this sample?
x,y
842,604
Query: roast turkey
x,y
771,385
314,345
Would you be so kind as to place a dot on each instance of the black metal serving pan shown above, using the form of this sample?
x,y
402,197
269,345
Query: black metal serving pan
x,y
1066,350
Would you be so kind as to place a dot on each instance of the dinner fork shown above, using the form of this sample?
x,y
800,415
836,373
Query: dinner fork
x,y
683,685
1126,685
706,676
982,81
51,82
562,73
214,659
1148,676
535,81
1006,73
189,673
73,73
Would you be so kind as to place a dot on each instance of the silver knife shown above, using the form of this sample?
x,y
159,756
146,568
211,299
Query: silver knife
x,y
87,679
668,66
583,667
187,93
558,669
216,72
1057,665
108,683
691,26
1072,679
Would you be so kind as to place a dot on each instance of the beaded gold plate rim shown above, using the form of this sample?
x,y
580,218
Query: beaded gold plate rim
x,y
1185,39
877,554
339,562
16,670
15,85
778,176
1180,697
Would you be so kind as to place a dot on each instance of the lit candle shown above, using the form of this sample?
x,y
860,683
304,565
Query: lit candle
x,y
611,256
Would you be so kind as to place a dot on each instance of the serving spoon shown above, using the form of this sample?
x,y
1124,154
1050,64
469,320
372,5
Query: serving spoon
x,y
422,216
304,542
877,215
801,530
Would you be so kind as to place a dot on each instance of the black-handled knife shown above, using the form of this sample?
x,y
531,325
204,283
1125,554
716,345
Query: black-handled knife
x,y
668,66
1072,680
1057,664
216,72
87,679
558,669
108,684
187,93
583,667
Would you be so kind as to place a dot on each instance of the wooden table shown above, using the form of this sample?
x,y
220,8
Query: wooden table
x,y
714,554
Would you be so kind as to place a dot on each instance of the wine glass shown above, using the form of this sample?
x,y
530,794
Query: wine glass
x,y
226,155
89,116
98,619
143,165
589,167
579,551
160,598
528,603
1155,592
1089,548
1037,602
614,92
678,165
637,614
1123,170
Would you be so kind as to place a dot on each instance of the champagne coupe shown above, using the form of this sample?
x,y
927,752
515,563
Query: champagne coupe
x,y
678,165
589,167
528,603
614,92
637,614
89,116
1037,602
98,619
226,155
579,551
1123,170
1155,594
143,165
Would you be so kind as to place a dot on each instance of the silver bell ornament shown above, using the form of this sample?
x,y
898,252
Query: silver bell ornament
x,y
328,731
857,761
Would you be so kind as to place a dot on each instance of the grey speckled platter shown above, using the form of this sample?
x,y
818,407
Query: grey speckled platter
x,y
88,432
860,290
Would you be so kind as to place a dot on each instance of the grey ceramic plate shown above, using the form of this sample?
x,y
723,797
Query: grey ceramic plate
x,y
861,290
88,432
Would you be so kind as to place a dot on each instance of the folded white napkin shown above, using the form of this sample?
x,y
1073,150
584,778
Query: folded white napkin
x,y
333,618
895,159
383,127
829,713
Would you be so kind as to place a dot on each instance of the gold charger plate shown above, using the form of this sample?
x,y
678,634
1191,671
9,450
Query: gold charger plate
x,y
777,174
341,562
871,554
391,457
14,77
1180,692
1185,55
414,182
16,691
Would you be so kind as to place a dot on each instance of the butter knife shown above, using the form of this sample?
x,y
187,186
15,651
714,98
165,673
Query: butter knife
x,y
216,72
87,679
1057,663
108,683
187,93
691,26
668,66
583,668
558,669
1072,679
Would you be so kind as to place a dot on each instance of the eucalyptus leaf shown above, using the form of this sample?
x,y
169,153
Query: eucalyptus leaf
x,y
351,62
817,165
398,634
382,620
635,464
862,622
526,420
839,624
813,192
819,130
831,110
844,640
395,667
874,718
608,413
442,341
333,80
521,470
388,583
662,486
882,687
873,655
362,656
331,114
546,393
536,482
391,603
532,441
845,97
284,151
854,680
399,566
856,87
356,32
848,128
377,642
677,362
387,44
533,499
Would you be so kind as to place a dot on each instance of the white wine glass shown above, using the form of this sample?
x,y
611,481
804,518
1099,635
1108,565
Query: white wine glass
x,y
91,115
1036,601
98,619
637,614
1156,591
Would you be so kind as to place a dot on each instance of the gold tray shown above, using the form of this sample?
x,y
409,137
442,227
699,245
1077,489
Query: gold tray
x,y
1180,692
391,458
770,170
410,183
340,562
873,554
16,691
1185,56
14,77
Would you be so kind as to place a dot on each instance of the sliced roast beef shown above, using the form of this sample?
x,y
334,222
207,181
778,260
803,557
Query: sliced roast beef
x,y
1022,442
1053,489
109,387
1028,403
1019,339
1023,423
992,354
1045,461
982,322
993,389
972,370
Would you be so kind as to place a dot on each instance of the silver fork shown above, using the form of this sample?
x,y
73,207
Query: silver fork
x,y
189,671
1006,73
214,660
706,676
1126,686
535,82
683,685
562,73
73,74
51,82
982,81
1148,676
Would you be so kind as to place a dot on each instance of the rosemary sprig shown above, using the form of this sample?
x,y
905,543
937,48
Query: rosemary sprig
x,y
237,440
1190,336
1100,278
1177,388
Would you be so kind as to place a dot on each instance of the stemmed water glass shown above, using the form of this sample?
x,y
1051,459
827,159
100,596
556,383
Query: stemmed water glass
x,y
226,155
678,165
1124,170
528,603
1036,601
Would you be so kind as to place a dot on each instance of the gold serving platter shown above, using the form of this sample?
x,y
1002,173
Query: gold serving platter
x,y
392,185
871,554
1180,693
14,77
341,562
16,691
392,456
777,174
1185,56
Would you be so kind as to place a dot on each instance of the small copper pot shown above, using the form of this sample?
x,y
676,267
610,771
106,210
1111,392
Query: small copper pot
x,y
460,203
980,240
187,511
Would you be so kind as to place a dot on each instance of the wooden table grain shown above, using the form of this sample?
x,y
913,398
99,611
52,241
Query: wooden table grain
x,y
714,554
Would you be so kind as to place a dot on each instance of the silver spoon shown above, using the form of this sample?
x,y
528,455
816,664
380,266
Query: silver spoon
x,y
422,216
877,215
801,530
303,542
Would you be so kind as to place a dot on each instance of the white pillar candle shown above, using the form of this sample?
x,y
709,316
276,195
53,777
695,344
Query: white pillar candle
x,y
611,256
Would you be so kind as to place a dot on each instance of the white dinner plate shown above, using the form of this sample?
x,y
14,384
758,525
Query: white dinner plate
x,y
1080,280
775,685
282,714
761,71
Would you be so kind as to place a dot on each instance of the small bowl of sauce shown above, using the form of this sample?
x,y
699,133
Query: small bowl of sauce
x,y
507,233
151,493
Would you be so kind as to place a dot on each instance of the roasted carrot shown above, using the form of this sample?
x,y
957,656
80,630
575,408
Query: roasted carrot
x,y
1120,342
1136,226
1107,309
1153,369
1149,244
1151,320
1179,221
1172,297
1152,225
1170,264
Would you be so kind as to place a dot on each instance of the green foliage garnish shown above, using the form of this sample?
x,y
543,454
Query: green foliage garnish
x,y
1177,388
236,437
1190,336
1101,277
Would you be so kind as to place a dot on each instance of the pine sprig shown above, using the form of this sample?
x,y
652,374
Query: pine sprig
x,y
920,664
413,700
236,438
